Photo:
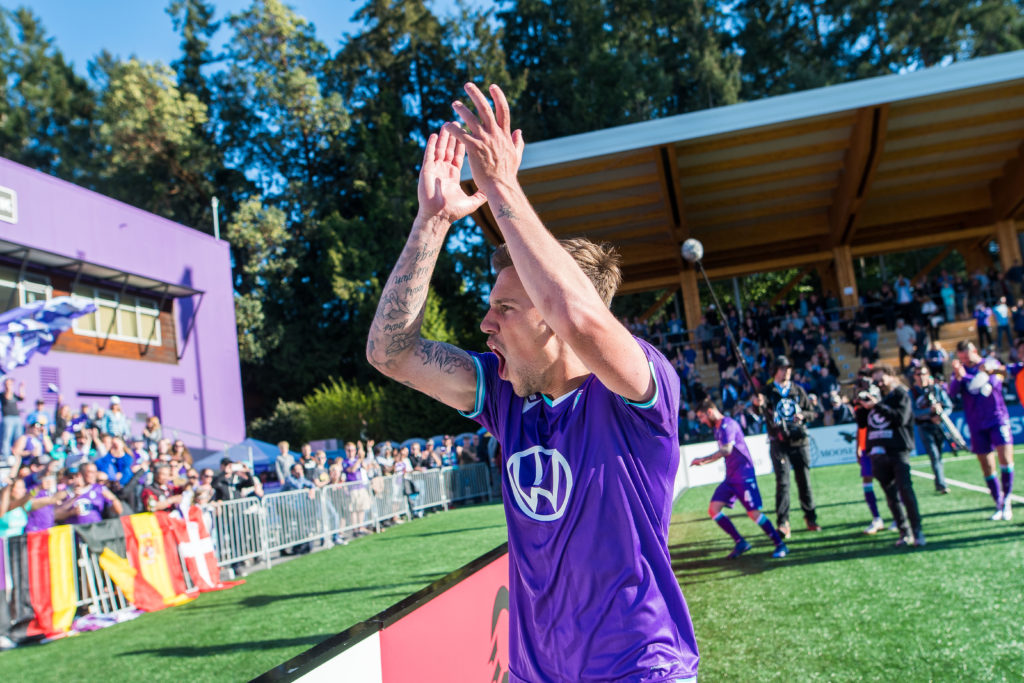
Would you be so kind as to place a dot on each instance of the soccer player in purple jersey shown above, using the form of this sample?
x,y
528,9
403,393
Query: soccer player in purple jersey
x,y
586,415
740,480
977,382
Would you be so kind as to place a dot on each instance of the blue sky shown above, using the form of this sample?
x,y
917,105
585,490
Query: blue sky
x,y
82,28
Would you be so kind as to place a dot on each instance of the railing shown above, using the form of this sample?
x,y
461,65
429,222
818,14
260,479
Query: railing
x,y
252,528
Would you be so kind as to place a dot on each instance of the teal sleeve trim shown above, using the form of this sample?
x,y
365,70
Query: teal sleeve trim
x,y
654,399
478,407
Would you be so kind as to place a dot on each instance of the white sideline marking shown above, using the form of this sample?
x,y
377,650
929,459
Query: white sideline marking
x,y
964,485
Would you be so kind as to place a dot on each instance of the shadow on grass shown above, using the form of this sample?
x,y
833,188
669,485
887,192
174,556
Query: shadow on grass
x,y
228,648
443,533
264,600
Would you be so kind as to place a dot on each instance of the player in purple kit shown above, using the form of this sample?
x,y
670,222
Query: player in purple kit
x,y
740,480
586,415
979,384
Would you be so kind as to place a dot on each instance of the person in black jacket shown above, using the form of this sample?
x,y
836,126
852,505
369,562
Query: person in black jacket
x,y
890,441
787,411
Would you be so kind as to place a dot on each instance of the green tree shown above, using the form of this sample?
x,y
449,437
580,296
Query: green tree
x,y
46,110
193,19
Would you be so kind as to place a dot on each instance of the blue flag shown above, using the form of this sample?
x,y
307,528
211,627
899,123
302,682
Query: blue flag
x,y
34,328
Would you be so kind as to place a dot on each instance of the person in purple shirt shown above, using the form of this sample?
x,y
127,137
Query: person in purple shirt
x,y
45,499
979,384
88,500
740,481
586,415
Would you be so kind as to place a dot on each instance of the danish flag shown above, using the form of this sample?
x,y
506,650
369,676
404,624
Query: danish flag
x,y
196,548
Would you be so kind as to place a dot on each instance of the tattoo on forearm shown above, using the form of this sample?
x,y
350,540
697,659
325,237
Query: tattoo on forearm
x,y
505,211
447,358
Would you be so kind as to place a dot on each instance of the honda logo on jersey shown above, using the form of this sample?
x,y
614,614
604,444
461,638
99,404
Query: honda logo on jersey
x,y
541,482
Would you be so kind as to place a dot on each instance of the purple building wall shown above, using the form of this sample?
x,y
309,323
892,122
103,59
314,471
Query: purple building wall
x,y
202,393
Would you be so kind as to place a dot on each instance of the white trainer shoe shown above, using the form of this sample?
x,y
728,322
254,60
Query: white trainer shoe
x,y
998,516
876,525
1007,510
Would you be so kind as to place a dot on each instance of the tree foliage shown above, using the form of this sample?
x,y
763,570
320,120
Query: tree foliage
x,y
313,151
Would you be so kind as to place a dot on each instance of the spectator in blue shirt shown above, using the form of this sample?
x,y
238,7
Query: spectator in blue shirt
x,y
117,463
296,480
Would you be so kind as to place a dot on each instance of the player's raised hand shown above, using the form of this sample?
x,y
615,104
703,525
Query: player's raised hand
x,y
494,149
439,192
958,368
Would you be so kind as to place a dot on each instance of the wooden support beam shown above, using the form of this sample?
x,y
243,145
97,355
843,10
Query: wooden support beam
x,y
662,300
1009,245
846,277
974,254
788,287
692,310
768,265
930,266
867,140
676,227
917,241
1008,190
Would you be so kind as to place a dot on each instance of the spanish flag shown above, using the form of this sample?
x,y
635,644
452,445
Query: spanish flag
x,y
154,555
51,567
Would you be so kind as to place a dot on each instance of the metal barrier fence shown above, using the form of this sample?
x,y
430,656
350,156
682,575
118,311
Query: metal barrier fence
x,y
253,528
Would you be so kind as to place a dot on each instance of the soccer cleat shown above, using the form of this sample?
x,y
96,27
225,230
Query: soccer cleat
x,y
998,516
919,539
876,525
741,547
1007,510
780,551
784,530
813,526
902,541
893,527
944,490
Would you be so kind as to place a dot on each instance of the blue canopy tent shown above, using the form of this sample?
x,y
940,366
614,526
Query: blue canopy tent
x,y
263,456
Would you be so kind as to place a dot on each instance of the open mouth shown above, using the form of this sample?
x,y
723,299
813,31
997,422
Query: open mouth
x,y
501,361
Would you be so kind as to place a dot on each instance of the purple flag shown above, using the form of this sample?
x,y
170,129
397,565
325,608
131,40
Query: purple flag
x,y
33,329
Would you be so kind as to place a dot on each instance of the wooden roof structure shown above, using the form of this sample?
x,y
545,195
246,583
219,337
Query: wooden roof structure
x,y
932,157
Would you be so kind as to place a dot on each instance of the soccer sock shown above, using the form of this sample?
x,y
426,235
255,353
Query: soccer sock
x,y
993,487
1006,472
869,498
767,527
728,527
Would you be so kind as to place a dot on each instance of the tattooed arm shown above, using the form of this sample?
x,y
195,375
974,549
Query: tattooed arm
x,y
563,294
395,346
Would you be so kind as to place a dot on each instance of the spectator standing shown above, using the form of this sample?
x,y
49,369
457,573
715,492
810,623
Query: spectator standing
x,y
982,313
1001,314
15,502
40,410
62,432
283,463
90,499
35,443
152,433
948,294
115,422
706,337
162,494
117,463
906,339
12,427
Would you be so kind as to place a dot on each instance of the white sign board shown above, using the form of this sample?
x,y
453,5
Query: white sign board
x,y
8,205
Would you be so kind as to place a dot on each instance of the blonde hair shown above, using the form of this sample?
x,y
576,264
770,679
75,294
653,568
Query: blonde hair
x,y
599,262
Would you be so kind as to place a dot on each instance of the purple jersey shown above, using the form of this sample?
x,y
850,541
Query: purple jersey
x,y
40,518
983,400
739,466
89,506
587,487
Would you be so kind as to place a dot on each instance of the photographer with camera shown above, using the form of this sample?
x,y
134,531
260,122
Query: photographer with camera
x,y
787,411
890,440
865,392
930,402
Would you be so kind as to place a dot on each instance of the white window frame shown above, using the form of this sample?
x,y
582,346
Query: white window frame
x,y
142,308
35,284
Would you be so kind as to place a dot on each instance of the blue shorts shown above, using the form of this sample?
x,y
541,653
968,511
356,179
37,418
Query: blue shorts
x,y
745,491
984,441
865,465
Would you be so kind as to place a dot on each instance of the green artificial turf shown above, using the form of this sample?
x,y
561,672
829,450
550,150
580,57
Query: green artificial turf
x,y
843,606
850,607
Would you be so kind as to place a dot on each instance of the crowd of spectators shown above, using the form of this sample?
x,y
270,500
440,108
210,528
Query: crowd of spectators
x,y
804,329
